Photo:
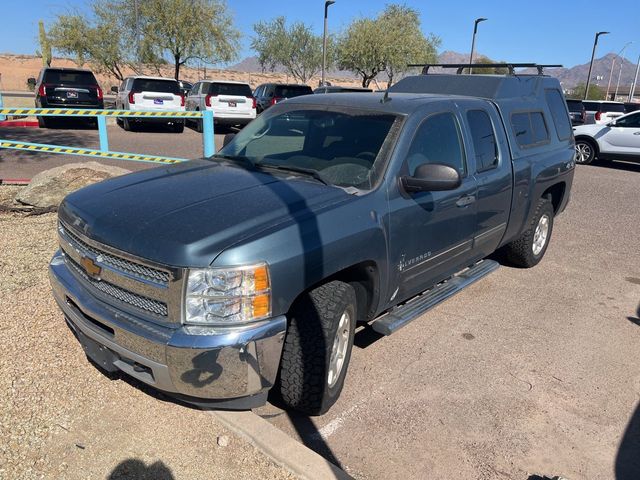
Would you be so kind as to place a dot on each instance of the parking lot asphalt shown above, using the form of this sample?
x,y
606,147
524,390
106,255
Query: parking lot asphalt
x,y
526,372
152,139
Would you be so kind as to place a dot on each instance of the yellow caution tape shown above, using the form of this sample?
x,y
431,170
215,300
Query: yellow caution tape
x,y
98,113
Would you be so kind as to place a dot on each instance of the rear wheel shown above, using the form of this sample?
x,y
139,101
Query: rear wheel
x,y
127,125
42,122
317,348
528,250
585,151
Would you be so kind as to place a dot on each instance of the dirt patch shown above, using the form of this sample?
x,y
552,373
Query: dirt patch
x,y
60,417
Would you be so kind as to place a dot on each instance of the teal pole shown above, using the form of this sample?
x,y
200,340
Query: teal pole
x,y
2,117
207,133
102,133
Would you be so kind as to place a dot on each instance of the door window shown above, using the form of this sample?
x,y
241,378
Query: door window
x,y
630,121
484,140
438,140
559,113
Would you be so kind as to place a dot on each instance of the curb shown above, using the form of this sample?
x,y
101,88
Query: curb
x,y
280,447
18,123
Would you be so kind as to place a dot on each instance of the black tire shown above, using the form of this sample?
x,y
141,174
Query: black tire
x,y
303,381
42,122
127,125
521,252
586,151
178,127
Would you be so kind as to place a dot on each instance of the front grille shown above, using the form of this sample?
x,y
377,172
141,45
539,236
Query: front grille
x,y
127,266
133,299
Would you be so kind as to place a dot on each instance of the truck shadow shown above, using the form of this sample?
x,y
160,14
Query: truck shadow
x,y
627,465
636,319
133,468
617,165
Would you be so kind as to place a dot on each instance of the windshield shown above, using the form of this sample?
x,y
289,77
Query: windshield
x,y
336,147
70,77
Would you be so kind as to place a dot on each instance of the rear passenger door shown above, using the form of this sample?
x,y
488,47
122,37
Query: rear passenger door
x,y
492,171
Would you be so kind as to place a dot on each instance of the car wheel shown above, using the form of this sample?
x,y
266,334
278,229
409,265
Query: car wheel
x,y
530,247
42,122
317,348
127,125
585,151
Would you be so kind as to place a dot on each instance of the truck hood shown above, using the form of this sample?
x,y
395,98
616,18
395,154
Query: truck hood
x,y
187,214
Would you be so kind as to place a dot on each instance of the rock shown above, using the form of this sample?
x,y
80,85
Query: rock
x,y
223,441
48,188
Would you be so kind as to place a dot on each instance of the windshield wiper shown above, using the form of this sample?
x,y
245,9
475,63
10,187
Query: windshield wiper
x,y
235,158
292,168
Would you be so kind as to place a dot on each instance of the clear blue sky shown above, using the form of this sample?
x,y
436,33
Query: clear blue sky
x,y
542,31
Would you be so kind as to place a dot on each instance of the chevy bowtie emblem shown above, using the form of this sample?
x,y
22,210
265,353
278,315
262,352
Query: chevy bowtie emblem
x,y
90,267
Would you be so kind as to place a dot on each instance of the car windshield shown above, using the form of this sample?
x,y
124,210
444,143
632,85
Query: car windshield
x,y
290,91
236,89
152,85
336,147
69,77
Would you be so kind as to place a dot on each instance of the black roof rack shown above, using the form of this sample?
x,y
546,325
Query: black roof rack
x,y
461,66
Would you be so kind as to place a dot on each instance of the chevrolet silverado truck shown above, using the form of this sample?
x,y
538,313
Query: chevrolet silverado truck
x,y
221,279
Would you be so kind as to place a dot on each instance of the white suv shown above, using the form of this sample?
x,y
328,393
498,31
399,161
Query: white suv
x,y
619,139
150,93
232,103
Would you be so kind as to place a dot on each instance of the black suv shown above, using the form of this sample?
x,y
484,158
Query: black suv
x,y
577,112
67,88
268,94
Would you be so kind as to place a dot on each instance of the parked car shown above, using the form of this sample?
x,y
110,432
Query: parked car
x,y
67,88
577,112
150,93
185,87
232,103
631,107
618,139
221,278
268,94
601,112
339,89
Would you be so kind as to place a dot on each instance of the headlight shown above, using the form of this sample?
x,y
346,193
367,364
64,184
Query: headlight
x,y
227,296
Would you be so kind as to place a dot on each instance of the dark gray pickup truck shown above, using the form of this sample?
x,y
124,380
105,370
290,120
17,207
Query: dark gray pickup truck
x,y
220,279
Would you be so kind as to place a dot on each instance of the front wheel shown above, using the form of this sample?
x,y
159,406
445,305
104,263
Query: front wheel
x,y
585,151
530,247
317,348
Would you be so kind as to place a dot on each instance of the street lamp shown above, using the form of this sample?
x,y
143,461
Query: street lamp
x,y
620,71
473,39
593,52
632,90
324,40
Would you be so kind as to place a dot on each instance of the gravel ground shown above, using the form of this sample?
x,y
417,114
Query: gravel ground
x,y
60,417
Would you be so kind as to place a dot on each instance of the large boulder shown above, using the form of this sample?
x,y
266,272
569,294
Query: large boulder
x,y
48,188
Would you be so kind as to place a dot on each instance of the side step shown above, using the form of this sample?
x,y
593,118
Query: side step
x,y
399,316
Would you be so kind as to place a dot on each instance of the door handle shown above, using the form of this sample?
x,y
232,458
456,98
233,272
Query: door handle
x,y
466,200
636,133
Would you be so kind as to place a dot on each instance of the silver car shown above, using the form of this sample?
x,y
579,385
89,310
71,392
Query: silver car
x,y
232,103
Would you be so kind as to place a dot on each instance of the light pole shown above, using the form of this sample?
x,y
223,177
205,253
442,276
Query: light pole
x,y
632,90
593,53
473,40
613,62
324,40
620,71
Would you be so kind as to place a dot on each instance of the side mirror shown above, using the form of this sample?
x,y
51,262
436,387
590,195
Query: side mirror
x,y
114,89
432,177
227,139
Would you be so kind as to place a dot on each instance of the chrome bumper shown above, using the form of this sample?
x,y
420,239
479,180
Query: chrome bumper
x,y
226,365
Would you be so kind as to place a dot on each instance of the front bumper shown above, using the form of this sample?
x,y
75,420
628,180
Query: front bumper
x,y
229,368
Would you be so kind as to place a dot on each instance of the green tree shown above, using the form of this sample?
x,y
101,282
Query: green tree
x,y
185,30
45,45
294,48
101,39
386,43
404,41
488,71
595,92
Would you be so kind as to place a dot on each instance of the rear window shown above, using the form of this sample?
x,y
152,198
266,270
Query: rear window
x,y
591,106
151,85
69,77
289,91
612,107
236,89
529,128
575,105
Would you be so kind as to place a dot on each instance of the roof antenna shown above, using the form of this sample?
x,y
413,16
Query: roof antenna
x,y
386,98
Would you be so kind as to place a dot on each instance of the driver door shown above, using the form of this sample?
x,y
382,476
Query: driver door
x,y
431,233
